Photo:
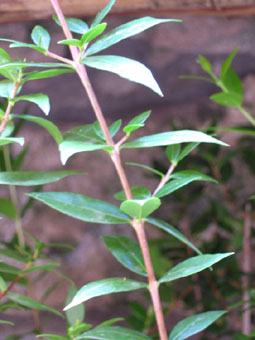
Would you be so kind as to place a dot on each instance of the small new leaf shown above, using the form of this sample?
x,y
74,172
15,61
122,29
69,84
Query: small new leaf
x,y
41,37
42,100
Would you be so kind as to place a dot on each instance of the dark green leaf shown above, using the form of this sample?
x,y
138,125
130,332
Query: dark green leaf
x,y
194,324
44,267
126,68
173,153
41,37
29,178
75,25
127,252
13,254
76,314
113,333
10,140
110,322
7,208
137,122
140,208
103,287
169,138
46,74
227,63
6,88
48,125
40,99
139,193
231,99
6,268
172,231
101,15
93,33
205,64
193,265
125,31
186,150
82,207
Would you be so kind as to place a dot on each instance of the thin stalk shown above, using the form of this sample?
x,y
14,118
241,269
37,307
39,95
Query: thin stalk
x,y
59,58
164,179
247,115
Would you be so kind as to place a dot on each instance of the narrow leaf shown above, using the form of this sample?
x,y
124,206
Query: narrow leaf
x,y
46,74
113,333
125,31
7,208
169,138
110,322
51,336
7,322
146,167
172,231
42,100
93,33
6,88
103,287
102,14
194,324
44,267
76,314
193,265
126,68
227,63
24,64
6,268
16,44
127,252
173,153
10,140
186,150
41,37
82,207
75,25
205,64
230,99
72,42
137,122
233,83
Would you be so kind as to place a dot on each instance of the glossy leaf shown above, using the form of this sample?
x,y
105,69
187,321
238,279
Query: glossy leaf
x,y
30,303
76,314
127,252
137,122
29,178
6,88
172,231
93,33
113,333
103,287
41,37
48,125
46,74
182,178
123,32
7,208
194,324
205,64
193,265
227,63
140,208
126,68
75,25
10,140
173,153
82,207
139,193
230,99
40,99
169,138
102,14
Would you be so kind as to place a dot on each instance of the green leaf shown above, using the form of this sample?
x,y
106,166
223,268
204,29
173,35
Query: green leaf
x,y
5,58
113,333
30,303
29,178
127,252
7,322
24,64
193,265
41,37
172,231
113,129
169,138
51,336
139,193
93,33
46,74
44,266
110,322
18,44
6,268
7,208
180,179
102,14
156,172
173,153
10,140
232,82
227,63
126,68
40,99
75,25
230,99
48,125
3,284
76,314
72,42
9,128
6,88
13,254
140,208
137,122
205,64
194,324
82,207
186,150
103,287
125,31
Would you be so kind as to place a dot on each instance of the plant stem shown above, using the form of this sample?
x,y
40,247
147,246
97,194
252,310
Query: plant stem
x,y
164,179
247,115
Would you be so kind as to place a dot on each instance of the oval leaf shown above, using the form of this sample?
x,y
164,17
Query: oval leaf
x,y
140,208
93,33
193,265
41,37
127,252
40,99
137,122
113,333
75,25
10,140
82,207
103,287
194,324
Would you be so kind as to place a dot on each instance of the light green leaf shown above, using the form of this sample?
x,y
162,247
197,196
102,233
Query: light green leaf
x,y
6,88
173,153
51,336
125,31
227,99
93,33
227,63
127,252
44,266
232,82
5,58
139,193
193,265
29,178
30,303
15,44
9,128
146,167
40,99
113,333
82,207
180,179
169,138
102,14
172,231
7,322
205,64
72,42
7,208
24,64
140,208
41,37
186,150
46,74
10,140
137,122
103,287
76,314
113,129
48,125
194,324
3,284
75,25
126,68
